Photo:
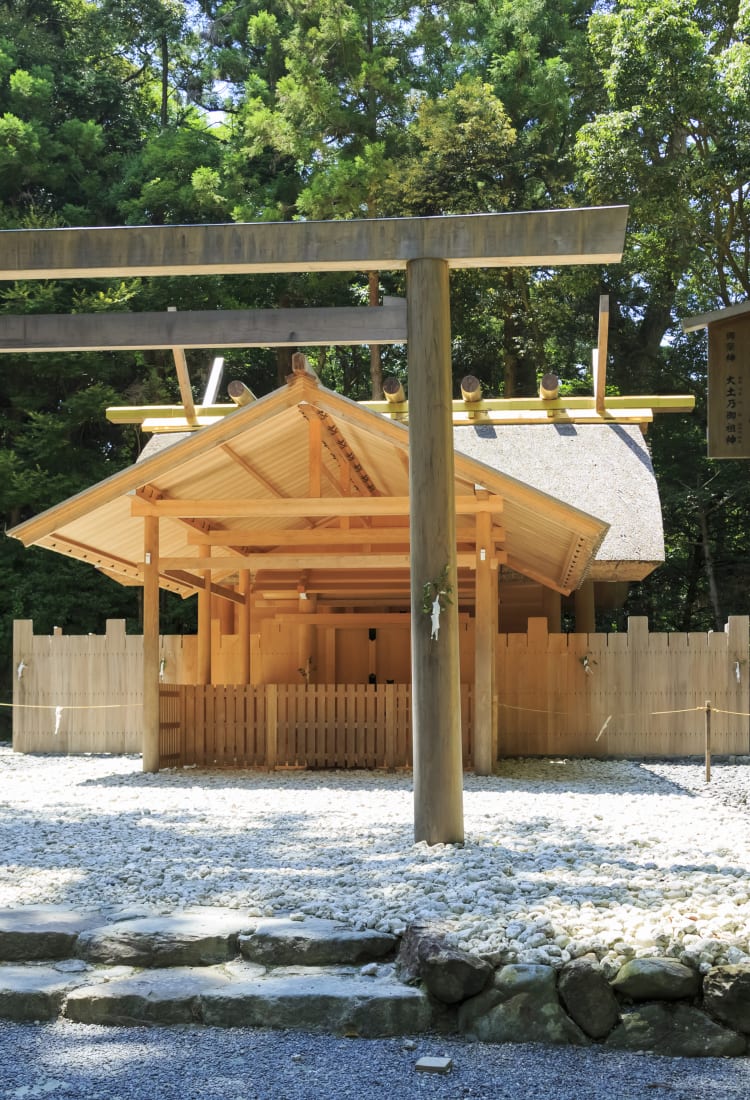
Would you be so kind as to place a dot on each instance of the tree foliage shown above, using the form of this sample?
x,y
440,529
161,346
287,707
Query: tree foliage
x,y
162,112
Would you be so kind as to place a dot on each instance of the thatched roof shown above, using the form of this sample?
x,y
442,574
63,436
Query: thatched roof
x,y
603,469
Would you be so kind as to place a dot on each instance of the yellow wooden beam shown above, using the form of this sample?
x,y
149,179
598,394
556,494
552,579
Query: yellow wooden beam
x,y
293,508
303,559
497,410
321,536
136,414
670,403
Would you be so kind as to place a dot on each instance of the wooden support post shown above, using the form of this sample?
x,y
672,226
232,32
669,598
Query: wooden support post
x,y
272,724
151,644
485,632
600,359
436,702
243,625
224,612
552,608
203,675
585,608
708,740
306,641
329,655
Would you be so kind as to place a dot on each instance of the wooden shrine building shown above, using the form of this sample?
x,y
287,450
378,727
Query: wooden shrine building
x,y
305,521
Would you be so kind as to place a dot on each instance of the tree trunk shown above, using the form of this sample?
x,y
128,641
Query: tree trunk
x,y
164,81
713,588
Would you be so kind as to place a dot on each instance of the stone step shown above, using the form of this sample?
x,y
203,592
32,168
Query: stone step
x,y
337,1000
42,932
313,942
197,936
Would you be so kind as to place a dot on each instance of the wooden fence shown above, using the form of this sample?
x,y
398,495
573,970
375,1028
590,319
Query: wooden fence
x,y
293,725
630,694
77,693
634,694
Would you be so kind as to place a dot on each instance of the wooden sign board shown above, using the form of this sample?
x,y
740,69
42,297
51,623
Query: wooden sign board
x,y
729,388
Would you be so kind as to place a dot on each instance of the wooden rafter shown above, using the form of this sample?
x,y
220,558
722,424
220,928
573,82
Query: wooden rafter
x,y
335,442
187,579
250,469
186,393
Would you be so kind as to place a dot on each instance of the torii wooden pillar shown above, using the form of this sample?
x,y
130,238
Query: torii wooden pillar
x,y
435,671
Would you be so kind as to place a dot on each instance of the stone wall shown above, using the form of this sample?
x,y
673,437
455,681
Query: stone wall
x,y
652,1004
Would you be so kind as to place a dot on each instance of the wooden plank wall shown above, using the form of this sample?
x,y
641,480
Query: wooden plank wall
x,y
557,691
77,693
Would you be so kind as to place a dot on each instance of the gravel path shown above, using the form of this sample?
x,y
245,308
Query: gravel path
x,y
562,857
63,1061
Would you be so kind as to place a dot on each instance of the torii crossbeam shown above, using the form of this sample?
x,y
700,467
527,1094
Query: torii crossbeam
x,y
426,248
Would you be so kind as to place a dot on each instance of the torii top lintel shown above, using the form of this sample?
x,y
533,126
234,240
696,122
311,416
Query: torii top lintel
x,y
531,238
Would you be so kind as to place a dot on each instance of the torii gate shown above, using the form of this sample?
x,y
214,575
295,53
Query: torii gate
x,y
426,248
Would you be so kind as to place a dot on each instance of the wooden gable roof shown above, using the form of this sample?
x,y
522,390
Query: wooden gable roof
x,y
302,483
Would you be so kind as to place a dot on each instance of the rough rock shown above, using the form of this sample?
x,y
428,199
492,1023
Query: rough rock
x,y
418,942
452,975
320,999
313,942
675,1030
534,978
507,982
726,995
198,936
588,997
528,980
526,1018
656,980
41,932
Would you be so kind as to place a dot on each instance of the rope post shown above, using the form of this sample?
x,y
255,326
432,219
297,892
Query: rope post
x,y
708,740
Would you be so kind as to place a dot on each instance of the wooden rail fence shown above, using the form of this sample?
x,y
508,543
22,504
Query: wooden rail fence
x,y
293,725
630,694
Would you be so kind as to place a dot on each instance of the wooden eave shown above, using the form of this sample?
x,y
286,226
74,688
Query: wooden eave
x,y
703,320
309,462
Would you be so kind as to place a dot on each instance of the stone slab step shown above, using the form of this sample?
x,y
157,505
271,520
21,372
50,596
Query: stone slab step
x,y
336,1000
280,941
196,936
42,932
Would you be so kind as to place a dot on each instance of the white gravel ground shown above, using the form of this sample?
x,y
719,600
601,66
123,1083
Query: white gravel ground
x,y
561,857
